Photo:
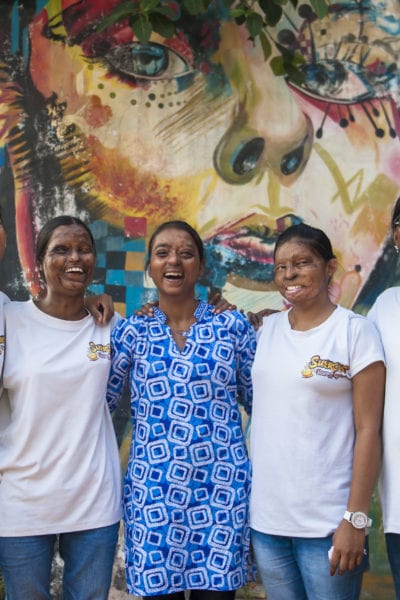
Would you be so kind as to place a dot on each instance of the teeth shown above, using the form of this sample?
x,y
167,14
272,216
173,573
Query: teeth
x,y
292,288
173,274
74,270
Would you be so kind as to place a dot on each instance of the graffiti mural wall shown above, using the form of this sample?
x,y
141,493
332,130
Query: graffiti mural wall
x,y
198,127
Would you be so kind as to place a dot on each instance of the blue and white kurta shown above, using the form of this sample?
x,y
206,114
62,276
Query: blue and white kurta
x,y
187,484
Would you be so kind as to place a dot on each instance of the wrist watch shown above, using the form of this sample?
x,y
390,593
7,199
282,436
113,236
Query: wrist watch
x,y
358,519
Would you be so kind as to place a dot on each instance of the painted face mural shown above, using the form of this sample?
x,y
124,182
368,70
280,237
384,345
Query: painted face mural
x,y
197,127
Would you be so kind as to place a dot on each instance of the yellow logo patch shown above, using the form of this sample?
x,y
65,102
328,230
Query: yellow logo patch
x,y
325,367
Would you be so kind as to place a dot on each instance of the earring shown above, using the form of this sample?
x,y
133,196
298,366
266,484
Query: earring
x,y
397,248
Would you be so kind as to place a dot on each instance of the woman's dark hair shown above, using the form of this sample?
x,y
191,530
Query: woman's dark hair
x,y
396,214
47,230
182,226
315,238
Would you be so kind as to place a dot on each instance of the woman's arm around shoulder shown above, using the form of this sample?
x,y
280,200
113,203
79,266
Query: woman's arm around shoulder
x,y
245,347
123,338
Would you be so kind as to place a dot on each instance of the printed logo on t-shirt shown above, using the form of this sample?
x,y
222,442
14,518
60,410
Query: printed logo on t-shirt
x,y
97,351
2,342
325,368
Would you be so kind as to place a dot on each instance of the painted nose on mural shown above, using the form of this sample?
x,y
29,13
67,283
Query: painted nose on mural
x,y
243,154
238,157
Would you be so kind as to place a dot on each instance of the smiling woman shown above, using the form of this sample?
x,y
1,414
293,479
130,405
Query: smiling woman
x,y
316,451
66,261
188,479
59,435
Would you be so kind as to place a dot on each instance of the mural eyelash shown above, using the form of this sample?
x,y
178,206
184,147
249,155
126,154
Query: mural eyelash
x,y
392,131
344,122
379,132
373,108
351,116
319,131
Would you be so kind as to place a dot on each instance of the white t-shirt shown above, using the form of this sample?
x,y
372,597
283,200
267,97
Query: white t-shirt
x,y
302,428
3,300
385,313
59,460
4,406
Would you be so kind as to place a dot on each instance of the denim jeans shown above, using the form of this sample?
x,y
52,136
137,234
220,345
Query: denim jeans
x,y
195,595
393,552
294,568
88,560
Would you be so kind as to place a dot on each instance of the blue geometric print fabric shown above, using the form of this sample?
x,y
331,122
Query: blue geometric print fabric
x,y
187,484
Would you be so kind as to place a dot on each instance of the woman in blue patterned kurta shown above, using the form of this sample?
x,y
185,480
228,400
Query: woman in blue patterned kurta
x,y
187,483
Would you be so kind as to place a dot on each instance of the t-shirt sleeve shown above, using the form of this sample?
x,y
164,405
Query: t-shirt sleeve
x,y
365,346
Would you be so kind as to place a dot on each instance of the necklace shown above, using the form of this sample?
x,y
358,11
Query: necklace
x,y
183,332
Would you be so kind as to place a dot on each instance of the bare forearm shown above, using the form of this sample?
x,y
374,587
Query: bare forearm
x,y
368,395
366,462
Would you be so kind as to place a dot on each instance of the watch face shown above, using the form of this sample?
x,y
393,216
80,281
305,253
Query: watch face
x,y
359,520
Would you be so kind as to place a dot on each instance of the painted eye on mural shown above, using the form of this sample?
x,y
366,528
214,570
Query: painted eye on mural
x,y
350,62
330,80
147,61
345,81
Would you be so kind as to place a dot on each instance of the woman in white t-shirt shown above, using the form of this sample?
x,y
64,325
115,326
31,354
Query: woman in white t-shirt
x,y
59,460
3,300
318,380
385,313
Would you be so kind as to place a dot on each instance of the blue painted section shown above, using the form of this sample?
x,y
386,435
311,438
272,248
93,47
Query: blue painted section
x,y
100,259
96,288
134,278
115,277
15,26
135,298
137,245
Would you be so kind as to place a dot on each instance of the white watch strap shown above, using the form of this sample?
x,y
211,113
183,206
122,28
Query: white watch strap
x,y
348,515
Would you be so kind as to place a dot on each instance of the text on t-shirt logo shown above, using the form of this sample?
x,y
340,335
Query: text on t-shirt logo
x,y
97,351
325,368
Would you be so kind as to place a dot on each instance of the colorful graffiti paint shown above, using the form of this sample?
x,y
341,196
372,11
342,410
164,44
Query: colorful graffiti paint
x,y
198,127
